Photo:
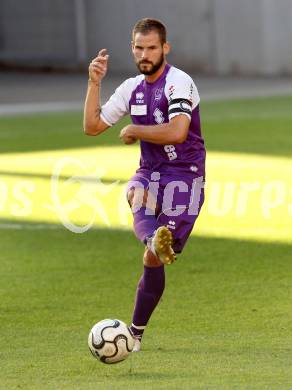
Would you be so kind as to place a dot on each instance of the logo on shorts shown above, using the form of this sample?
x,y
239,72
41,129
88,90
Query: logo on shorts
x,y
171,225
158,116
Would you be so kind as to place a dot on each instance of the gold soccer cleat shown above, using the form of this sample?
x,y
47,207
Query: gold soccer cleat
x,y
161,245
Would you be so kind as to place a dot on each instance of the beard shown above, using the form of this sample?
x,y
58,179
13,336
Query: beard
x,y
152,67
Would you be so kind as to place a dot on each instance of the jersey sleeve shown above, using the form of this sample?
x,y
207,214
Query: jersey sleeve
x,y
182,95
118,104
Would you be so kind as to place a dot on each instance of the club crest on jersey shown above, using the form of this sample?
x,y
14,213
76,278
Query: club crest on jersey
x,y
158,116
158,93
139,97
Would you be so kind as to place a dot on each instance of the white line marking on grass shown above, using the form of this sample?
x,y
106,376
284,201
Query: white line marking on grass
x,y
33,108
249,92
47,226
27,226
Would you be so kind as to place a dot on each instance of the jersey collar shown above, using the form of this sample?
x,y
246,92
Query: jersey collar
x,y
165,71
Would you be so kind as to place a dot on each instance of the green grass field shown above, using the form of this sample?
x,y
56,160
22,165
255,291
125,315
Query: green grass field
x,y
225,321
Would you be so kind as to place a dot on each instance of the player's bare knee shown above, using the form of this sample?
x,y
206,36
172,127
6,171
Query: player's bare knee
x,y
150,260
130,196
137,198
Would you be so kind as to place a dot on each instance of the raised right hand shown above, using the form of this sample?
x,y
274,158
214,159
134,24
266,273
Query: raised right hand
x,y
98,66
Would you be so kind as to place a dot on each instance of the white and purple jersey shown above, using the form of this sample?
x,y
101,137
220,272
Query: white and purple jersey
x,y
173,93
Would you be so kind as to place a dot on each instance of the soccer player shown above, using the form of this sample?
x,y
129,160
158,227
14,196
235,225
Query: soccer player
x,y
164,194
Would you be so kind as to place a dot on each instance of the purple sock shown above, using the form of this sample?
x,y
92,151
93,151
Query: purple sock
x,y
149,291
145,224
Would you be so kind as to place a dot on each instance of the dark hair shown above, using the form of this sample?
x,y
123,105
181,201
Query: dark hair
x,y
144,26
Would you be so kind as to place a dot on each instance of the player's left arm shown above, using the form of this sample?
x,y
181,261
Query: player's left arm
x,y
173,132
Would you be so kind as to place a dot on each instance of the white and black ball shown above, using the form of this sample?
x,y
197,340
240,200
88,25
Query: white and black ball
x,y
110,341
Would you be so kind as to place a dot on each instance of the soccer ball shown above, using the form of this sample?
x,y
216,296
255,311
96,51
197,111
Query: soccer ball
x,y
110,341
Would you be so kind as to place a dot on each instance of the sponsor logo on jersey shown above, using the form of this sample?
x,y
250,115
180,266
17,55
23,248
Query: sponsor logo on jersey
x,y
171,91
138,109
158,116
191,93
158,93
140,97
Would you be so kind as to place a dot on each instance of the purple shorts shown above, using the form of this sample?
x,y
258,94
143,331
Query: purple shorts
x,y
178,201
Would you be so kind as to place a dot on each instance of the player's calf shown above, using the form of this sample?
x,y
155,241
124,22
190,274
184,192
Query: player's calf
x,y
150,259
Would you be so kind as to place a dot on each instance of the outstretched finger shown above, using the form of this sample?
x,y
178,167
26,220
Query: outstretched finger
x,y
102,53
102,59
